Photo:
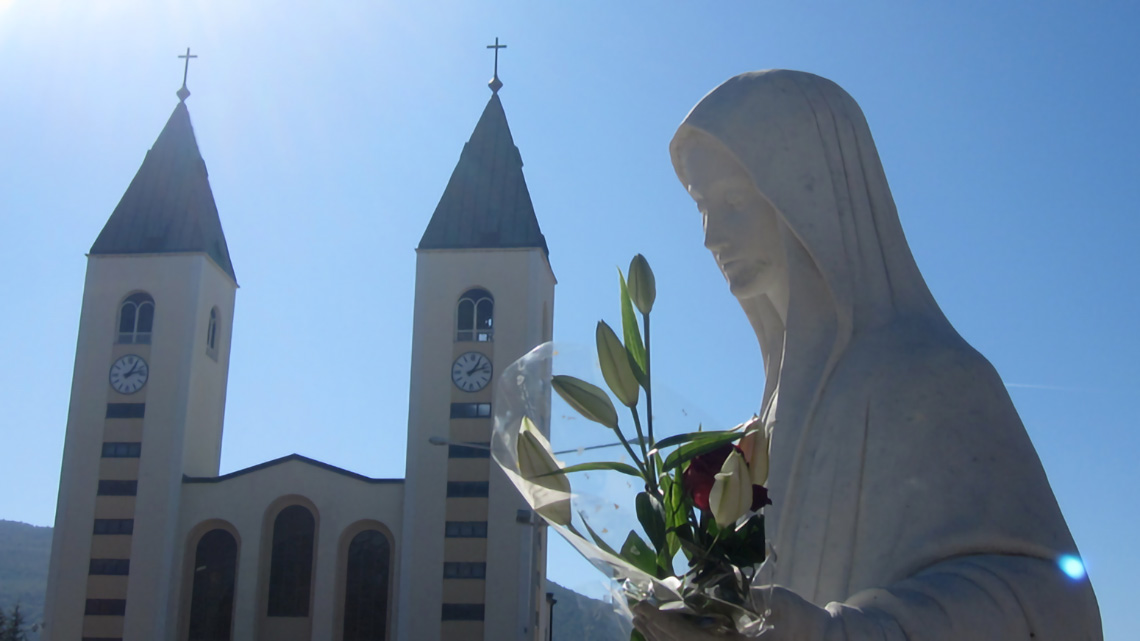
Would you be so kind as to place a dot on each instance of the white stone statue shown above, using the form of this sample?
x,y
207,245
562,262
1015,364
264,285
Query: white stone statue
x,y
908,501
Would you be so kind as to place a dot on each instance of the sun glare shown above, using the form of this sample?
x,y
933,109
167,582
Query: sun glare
x,y
1072,566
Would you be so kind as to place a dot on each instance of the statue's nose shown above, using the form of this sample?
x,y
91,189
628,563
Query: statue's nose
x,y
715,238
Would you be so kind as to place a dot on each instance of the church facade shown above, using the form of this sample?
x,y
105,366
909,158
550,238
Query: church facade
x,y
151,542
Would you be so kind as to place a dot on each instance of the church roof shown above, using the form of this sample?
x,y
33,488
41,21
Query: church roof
x,y
486,203
281,461
168,207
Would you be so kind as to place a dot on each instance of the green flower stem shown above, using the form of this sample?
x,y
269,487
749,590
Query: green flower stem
x,y
651,476
648,386
632,454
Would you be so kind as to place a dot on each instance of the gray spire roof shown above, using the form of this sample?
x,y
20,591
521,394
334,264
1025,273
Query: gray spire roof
x,y
168,207
486,203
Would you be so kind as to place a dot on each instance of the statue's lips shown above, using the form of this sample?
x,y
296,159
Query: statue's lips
x,y
742,266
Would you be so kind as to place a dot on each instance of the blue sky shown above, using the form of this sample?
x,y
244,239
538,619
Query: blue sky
x,y
330,129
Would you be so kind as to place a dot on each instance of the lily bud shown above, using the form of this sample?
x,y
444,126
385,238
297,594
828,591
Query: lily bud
x,y
589,400
642,286
615,365
731,495
549,495
755,446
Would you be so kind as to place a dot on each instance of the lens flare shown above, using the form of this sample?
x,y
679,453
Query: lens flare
x,y
1072,566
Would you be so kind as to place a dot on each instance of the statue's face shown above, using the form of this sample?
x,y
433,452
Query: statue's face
x,y
742,229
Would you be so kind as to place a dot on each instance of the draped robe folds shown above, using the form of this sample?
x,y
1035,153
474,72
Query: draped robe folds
x,y
907,497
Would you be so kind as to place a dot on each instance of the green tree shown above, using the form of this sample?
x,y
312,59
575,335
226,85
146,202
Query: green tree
x,y
3,625
15,629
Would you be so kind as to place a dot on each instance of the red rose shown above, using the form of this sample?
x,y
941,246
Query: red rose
x,y
697,479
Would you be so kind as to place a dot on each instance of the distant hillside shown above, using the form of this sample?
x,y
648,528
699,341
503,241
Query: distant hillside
x,y
579,618
26,549
24,554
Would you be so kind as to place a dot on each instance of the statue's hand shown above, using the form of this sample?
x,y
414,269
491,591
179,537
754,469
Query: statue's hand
x,y
792,619
670,626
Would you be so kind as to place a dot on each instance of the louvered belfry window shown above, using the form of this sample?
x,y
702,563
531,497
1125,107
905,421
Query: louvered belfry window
x,y
475,316
136,319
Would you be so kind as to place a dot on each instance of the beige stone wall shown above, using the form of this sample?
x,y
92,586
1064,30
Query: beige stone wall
x,y
184,399
102,627
181,433
518,570
247,503
522,284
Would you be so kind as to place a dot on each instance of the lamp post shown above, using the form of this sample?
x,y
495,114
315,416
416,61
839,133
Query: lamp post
x,y
439,440
551,600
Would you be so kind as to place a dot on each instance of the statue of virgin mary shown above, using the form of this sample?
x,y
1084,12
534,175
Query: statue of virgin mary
x,y
908,501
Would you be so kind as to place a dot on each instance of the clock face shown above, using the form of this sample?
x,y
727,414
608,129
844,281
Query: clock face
x,y
471,372
129,374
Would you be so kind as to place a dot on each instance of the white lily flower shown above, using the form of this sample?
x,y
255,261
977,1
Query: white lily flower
x,y
615,365
549,495
731,494
756,446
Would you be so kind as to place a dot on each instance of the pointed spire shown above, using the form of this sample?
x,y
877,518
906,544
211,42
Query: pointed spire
x,y
486,203
168,207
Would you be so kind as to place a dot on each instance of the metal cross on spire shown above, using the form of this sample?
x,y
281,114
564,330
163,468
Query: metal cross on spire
x,y
495,83
184,93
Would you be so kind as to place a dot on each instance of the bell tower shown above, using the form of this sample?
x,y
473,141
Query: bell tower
x,y
147,397
473,563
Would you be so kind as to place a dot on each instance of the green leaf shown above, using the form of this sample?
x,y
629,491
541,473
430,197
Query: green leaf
x,y
666,483
692,549
708,523
639,554
632,335
745,545
689,451
670,501
636,636
675,516
652,518
598,539
679,439
614,466
589,400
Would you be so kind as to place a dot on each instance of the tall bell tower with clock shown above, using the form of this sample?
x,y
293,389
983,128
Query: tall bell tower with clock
x,y
473,562
147,396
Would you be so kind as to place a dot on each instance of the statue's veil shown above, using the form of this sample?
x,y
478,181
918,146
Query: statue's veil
x,y
896,445
806,145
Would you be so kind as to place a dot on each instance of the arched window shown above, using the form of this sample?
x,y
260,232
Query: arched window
x,y
366,587
291,562
475,316
212,598
212,335
136,317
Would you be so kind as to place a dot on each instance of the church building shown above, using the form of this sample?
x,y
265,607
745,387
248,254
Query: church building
x,y
152,543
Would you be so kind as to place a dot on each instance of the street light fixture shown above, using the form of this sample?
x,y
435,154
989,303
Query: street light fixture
x,y
551,600
439,440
